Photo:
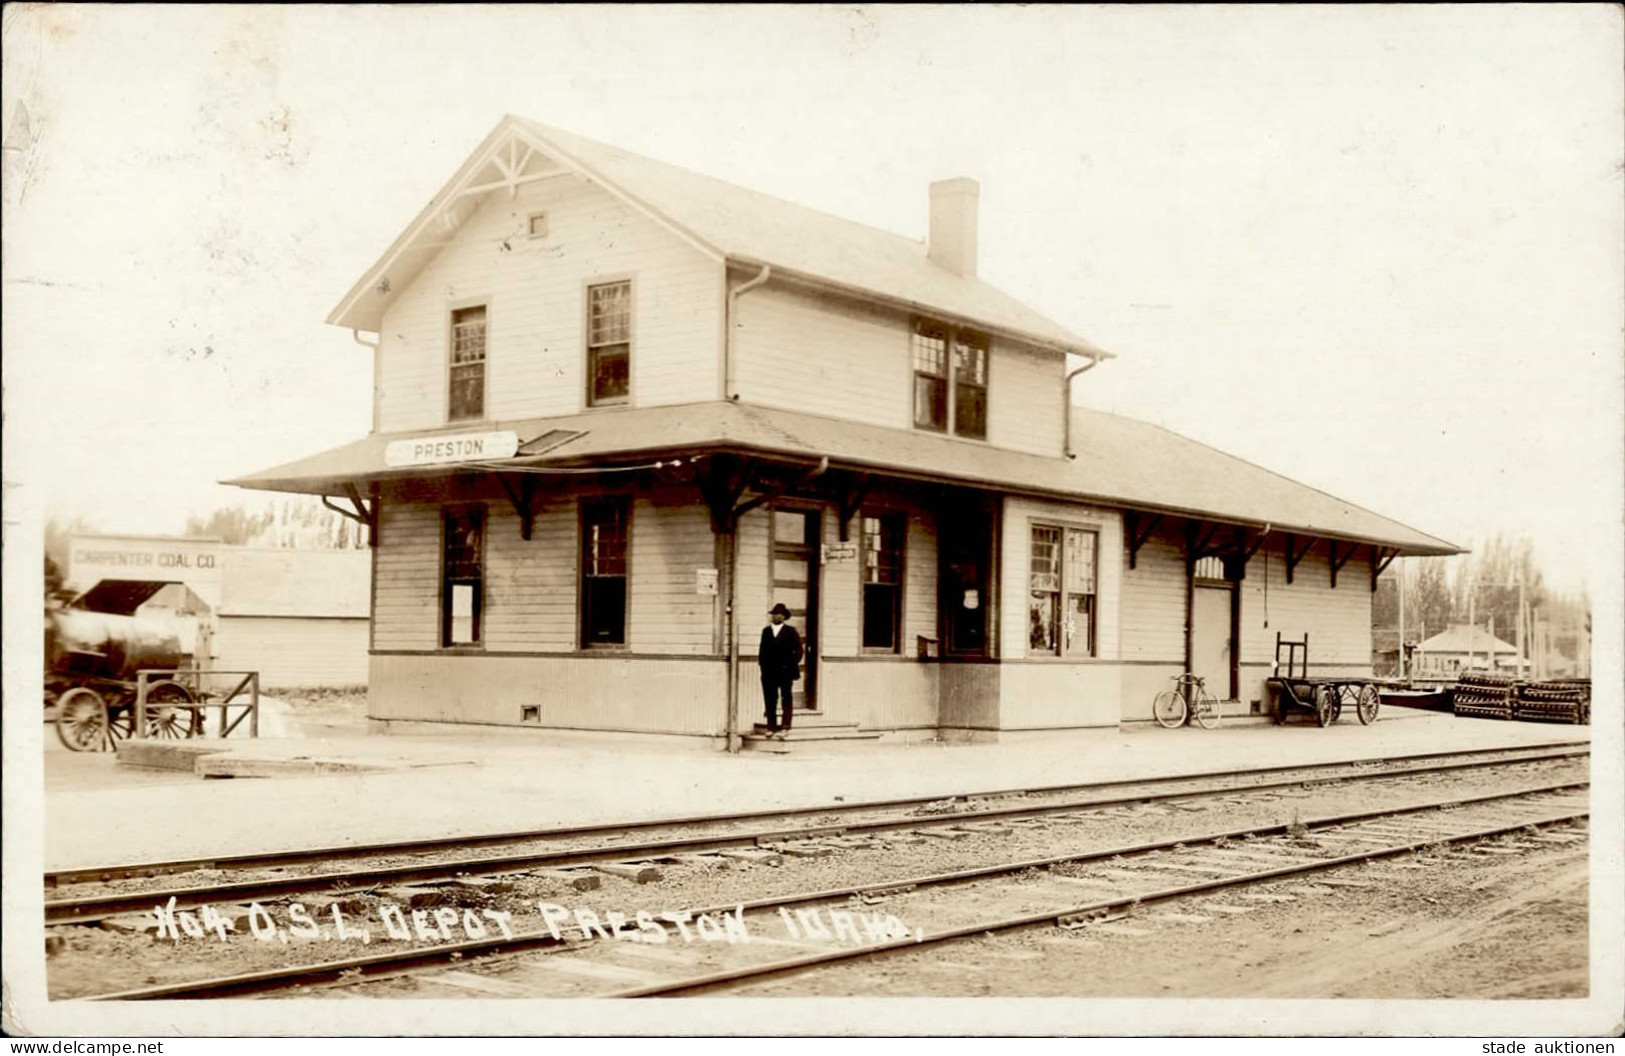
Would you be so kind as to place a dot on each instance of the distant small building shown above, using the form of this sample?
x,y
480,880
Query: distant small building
x,y
298,617
1461,647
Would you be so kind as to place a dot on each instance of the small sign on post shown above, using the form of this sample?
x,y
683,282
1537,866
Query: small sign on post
x,y
705,582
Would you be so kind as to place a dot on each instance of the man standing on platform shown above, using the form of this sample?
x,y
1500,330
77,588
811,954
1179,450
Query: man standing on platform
x,y
780,658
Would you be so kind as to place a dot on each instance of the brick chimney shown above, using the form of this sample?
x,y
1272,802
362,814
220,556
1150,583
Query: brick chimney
x,y
952,243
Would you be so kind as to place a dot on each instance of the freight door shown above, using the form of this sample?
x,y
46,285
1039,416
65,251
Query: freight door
x,y
1210,638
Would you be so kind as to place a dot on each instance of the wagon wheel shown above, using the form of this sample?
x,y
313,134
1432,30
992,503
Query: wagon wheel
x,y
81,721
167,722
1325,705
1337,701
1367,703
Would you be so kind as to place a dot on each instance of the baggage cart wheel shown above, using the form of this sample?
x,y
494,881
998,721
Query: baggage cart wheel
x,y
1325,703
1367,704
166,722
82,723
1169,709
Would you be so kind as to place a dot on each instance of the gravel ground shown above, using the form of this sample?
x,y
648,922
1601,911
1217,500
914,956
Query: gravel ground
x,y
1468,926
99,960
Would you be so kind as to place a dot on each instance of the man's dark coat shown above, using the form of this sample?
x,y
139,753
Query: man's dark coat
x,y
780,654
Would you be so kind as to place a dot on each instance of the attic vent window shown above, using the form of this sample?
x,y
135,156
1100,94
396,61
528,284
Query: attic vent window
x,y
538,225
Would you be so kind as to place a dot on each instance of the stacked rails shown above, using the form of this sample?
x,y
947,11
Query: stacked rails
x,y
1555,700
1486,696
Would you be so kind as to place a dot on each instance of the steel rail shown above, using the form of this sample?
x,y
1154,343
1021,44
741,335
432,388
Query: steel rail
x,y
716,979
90,908
311,974
268,859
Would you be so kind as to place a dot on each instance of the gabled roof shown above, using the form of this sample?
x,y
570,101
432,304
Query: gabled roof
x,y
1460,638
726,222
1121,462
291,582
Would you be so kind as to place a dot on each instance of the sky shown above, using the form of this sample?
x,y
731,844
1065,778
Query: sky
x,y
1377,249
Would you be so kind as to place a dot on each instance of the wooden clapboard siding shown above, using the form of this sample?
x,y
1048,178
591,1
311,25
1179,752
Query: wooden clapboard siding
x,y
534,292
406,579
596,692
669,542
840,605
530,585
1338,622
1019,517
822,355
1153,608
919,581
294,651
754,593
1024,399
1047,695
880,694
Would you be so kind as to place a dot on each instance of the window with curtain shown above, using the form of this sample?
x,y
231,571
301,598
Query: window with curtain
x,y
930,352
467,396
1061,611
609,343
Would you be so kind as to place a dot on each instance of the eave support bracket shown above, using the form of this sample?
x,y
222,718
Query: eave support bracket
x,y
1138,533
523,498
1381,558
364,512
1295,555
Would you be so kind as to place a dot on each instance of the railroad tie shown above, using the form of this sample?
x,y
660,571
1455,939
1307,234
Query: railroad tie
x,y
578,881
941,834
804,850
753,857
639,872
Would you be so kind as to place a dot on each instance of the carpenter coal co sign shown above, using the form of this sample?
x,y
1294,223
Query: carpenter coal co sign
x,y
461,447
150,559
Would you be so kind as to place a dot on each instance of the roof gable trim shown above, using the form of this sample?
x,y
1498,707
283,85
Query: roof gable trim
x,y
509,148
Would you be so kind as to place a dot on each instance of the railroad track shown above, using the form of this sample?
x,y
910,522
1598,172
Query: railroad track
x,y
427,862
757,939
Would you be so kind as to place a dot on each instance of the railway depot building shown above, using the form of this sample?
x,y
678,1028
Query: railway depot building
x,y
621,409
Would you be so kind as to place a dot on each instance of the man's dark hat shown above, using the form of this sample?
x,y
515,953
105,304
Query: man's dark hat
x,y
781,607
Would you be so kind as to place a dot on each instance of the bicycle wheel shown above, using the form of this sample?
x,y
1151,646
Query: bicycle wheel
x,y
1206,711
1169,709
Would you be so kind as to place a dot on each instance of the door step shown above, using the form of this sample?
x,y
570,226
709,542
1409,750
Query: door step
x,y
809,730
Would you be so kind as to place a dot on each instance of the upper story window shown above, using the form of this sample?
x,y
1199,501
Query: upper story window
x,y
609,343
950,380
603,571
1061,591
467,395
462,587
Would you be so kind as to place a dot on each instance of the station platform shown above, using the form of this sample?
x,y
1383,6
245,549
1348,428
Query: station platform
x,y
450,781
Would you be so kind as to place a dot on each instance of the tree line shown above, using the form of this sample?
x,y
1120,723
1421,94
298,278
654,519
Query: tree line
x,y
1481,586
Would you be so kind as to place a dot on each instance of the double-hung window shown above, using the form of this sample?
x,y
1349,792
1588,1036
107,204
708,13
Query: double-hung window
x,y
609,343
462,587
603,571
467,395
882,581
950,380
1061,609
